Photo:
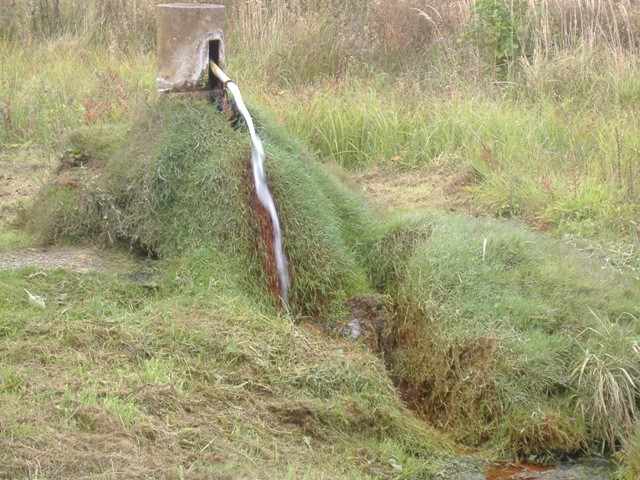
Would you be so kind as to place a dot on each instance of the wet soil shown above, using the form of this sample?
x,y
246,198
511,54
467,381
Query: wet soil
x,y
523,471
472,467
583,469
73,258
368,320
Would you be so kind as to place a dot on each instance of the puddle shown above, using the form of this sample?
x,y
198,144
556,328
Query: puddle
x,y
521,471
582,469
472,467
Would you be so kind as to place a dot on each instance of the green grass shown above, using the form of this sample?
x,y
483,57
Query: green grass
x,y
555,144
527,346
630,457
505,336
11,239
53,88
113,378
521,151
182,157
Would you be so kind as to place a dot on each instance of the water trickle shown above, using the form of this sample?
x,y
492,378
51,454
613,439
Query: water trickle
x,y
263,193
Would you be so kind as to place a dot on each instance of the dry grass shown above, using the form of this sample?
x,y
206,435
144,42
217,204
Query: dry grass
x,y
106,382
566,24
556,25
368,28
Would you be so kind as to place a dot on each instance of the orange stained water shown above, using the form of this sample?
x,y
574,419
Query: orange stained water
x,y
504,471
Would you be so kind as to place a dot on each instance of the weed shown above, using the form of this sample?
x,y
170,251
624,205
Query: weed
x,y
498,29
607,380
630,457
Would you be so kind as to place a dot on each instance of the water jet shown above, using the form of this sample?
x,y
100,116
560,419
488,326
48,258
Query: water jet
x,y
190,56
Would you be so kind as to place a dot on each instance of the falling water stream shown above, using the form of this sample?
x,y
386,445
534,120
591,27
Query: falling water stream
x,y
260,181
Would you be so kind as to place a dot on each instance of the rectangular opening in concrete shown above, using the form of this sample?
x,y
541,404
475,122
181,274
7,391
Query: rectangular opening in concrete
x,y
215,52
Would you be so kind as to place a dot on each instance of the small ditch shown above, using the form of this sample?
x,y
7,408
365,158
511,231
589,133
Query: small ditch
x,y
369,322
467,467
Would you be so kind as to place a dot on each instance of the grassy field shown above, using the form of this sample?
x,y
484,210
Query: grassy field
x,y
504,240
113,380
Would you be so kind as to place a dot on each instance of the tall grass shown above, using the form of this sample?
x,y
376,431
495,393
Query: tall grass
x,y
300,42
531,150
608,381
366,27
566,24
53,87
383,83
118,24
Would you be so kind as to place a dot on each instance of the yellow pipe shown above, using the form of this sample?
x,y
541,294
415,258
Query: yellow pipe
x,y
217,71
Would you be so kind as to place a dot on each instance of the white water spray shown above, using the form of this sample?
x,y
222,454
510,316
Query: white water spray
x,y
260,181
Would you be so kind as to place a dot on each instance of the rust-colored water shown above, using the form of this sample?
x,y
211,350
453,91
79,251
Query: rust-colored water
x,y
518,471
263,193
263,242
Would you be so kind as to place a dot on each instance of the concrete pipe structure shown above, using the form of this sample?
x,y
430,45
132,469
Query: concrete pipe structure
x,y
190,35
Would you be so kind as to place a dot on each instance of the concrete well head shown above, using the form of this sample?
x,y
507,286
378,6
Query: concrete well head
x,y
189,35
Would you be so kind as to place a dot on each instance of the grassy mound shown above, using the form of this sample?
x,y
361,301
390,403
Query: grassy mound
x,y
507,336
136,187
499,336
